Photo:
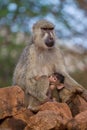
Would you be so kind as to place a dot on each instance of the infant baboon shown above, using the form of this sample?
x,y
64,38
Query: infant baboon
x,y
49,86
42,57
56,81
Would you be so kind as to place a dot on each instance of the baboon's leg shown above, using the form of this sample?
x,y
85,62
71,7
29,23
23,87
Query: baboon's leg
x,y
42,87
38,88
33,102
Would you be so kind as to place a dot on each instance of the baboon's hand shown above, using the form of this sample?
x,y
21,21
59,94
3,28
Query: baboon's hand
x,y
38,77
47,100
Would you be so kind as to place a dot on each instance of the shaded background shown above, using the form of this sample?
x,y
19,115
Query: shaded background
x,y
16,20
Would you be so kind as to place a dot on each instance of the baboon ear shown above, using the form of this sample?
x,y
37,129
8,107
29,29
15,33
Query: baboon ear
x,y
59,87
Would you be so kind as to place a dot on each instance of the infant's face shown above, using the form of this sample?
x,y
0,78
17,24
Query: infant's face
x,y
52,79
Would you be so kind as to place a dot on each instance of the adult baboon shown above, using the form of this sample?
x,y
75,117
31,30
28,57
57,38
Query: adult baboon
x,y
42,57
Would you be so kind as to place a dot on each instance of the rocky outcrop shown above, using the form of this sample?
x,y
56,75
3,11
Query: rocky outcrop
x,y
51,115
11,101
78,105
79,122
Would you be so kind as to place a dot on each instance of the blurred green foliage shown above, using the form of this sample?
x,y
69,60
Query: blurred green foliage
x,y
18,15
9,54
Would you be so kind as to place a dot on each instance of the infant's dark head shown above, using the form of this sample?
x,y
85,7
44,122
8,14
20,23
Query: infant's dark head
x,y
60,77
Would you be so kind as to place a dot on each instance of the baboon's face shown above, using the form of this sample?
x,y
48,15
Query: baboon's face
x,y
44,36
48,36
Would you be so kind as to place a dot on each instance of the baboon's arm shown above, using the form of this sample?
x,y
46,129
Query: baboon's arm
x,y
37,88
69,81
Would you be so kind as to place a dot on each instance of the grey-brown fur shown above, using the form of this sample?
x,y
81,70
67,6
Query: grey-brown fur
x,y
32,102
38,59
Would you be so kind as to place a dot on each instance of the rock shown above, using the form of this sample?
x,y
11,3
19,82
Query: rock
x,y
11,101
13,114
12,124
24,116
16,122
60,108
46,120
77,105
51,116
79,122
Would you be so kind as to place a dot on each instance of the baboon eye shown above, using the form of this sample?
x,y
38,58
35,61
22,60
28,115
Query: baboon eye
x,y
45,29
51,29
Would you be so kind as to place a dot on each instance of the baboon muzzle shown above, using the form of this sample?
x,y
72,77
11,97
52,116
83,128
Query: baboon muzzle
x,y
49,41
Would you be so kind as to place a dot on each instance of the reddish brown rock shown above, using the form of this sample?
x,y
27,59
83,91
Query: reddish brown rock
x,y
12,124
46,120
11,101
17,122
60,108
51,116
24,115
79,122
77,105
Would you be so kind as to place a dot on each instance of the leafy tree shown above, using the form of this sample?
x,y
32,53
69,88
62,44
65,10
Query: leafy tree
x,y
17,17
